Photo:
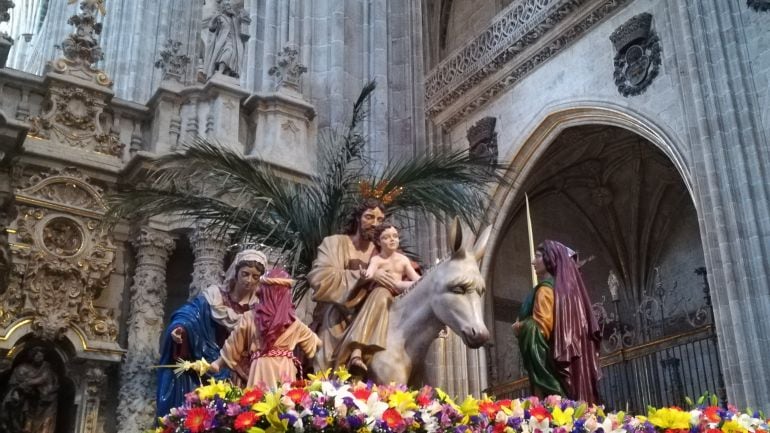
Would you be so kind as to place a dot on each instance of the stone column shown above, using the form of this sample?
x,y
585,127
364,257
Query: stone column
x,y
136,410
91,390
731,163
209,251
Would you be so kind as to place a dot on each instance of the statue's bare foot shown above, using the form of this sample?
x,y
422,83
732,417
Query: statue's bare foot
x,y
357,365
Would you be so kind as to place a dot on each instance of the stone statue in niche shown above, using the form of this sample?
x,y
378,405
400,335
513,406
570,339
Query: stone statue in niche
x,y
226,50
759,5
482,140
31,398
637,55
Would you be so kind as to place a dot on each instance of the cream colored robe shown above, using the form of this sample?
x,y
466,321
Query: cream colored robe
x,y
246,338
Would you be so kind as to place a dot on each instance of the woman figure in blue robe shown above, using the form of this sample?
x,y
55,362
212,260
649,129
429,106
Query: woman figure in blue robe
x,y
200,327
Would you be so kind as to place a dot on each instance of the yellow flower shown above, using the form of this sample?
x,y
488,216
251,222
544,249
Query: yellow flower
x,y
255,430
277,425
270,404
733,426
669,418
562,417
364,430
442,396
214,387
342,373
321,375
468,408
403,401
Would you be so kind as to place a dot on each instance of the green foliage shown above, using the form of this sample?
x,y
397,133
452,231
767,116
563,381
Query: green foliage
x,y
243,197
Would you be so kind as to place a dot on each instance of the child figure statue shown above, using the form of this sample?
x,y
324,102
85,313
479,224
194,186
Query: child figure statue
x,y
268,334
361,341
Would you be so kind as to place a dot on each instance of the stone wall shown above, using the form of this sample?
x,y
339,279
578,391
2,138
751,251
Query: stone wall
x,y
704,110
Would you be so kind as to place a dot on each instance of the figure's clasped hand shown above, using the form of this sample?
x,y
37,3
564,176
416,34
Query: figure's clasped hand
x,y
176,334
384,279
516,327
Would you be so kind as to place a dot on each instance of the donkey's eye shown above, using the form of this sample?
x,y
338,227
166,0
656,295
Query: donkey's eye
x,y
460,290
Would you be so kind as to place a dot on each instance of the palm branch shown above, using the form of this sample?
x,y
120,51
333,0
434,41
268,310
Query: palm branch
x,y
220,188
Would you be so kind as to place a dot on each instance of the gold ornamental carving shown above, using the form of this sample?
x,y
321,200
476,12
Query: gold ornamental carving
x,y
62,258
73,119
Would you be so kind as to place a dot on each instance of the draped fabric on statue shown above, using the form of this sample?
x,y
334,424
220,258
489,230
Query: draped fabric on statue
x,y
576,332
535,349
195,317
275,311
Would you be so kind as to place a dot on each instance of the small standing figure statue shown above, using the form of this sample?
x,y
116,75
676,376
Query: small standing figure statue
x,y
557,331
268,334
371,339
31,400
226,50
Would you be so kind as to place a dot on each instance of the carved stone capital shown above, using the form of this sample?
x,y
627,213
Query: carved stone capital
x,y
153,247
209,251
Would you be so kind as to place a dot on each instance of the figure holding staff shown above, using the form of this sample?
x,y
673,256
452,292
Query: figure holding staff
x,y
557,333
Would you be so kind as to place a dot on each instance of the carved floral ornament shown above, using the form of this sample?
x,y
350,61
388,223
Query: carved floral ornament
x,y
519,40
637,55
62,258
73,118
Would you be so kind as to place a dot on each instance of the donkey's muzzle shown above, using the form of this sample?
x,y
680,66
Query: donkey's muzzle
x,y
475,337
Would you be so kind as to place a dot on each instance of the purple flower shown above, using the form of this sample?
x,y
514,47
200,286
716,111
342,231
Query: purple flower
x,y
355,422
233,409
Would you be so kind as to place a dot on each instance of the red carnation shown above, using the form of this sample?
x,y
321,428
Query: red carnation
x,y
392,418
197,419
362,394
296,395
539,413
246,420
251,396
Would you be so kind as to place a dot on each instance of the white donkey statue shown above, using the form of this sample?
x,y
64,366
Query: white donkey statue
x,y
450,294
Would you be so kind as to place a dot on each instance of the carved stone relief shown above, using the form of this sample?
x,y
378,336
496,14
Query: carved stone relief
x,y
637,55
229,32
759,5
73,118
173,61
482,140
81,48
288,70
62,258
514,33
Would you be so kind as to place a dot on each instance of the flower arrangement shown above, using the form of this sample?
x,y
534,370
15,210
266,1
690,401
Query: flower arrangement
x,y
328,402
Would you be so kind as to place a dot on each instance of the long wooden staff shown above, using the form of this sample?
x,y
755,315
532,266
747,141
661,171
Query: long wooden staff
x,y
531,241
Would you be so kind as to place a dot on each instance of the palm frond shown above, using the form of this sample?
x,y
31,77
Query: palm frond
x,y
224,190
441,185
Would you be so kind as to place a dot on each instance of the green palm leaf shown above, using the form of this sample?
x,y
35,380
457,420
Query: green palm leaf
x,y
219,187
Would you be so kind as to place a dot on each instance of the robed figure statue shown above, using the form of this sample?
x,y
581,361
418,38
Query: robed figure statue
x,y
31,396
557,332
200,327
226,51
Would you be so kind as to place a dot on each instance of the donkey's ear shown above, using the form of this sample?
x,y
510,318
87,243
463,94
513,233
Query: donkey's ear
x,y
455,236
481,243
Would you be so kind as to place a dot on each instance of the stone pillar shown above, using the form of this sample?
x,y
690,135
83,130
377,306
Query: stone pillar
x,y
731,164
91,389
209,251
136,410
